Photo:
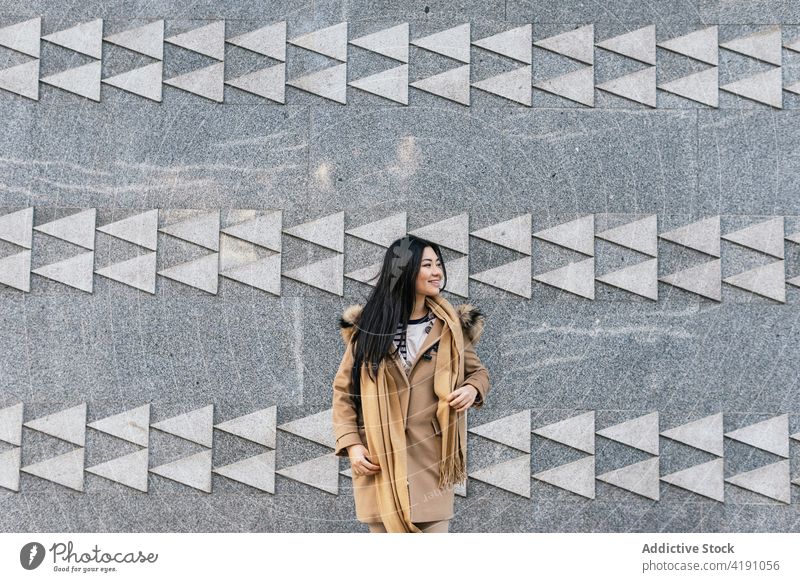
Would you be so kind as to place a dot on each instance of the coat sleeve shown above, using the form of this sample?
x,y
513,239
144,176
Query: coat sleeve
x,y
475,373
345,425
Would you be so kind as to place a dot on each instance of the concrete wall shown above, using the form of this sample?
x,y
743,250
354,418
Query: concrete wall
x,y
555,350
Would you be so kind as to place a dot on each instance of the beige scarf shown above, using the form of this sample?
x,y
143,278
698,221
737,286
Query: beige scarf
x,y
385,428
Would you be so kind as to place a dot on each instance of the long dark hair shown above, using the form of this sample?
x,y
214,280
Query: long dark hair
x,y
389,304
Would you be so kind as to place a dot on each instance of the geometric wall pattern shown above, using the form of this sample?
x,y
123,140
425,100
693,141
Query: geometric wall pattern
x,y
245,246
578,431
454,45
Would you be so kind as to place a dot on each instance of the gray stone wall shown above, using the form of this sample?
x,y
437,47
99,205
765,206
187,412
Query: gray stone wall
x,y
691,337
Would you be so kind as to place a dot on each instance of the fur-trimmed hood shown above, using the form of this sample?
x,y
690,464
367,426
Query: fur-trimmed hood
x,y
472,321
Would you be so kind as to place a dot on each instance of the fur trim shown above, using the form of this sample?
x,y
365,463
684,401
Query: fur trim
x,y
472,321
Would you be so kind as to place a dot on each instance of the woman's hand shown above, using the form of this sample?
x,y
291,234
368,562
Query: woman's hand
x,y
359,460
463,397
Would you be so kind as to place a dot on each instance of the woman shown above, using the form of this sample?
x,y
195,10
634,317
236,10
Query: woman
x,y
408,375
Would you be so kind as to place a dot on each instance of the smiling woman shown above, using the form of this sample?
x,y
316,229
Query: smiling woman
x,y
407,377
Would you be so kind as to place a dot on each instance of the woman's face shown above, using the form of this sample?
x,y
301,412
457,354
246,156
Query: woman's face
x,y
430,274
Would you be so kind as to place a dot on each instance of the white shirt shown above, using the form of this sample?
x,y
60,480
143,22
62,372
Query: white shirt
x,y
416,332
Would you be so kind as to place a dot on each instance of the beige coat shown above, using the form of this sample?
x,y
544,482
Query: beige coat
x,y
418,401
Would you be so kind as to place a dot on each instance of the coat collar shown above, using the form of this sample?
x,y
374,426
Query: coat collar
x,y
471,318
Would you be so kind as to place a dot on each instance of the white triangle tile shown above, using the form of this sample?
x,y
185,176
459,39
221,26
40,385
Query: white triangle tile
x,y
640,432
11,424
76,228
83,80
792,237
140,229
576,44
196,425
23,37
391,84
258,427
793,45
321,473
514,234
368,275
513,430
794,281
326,274
765,236
702,235
316,427
68,425
641,478
577,235
381,232
792,88
460,489
145,81
194,471
763,87
639,44
705,479
512,475
766,280
701,45
514,277
512,85
458,276
576,432
453,42
66,469
201,273
22,80
77,271
770,435
201,229
330,41
452,85
452,233
147,39
576,86
702,87
15,271
640,279
129,470
207,40
764,45
207,82
85,38
575,277
9,468
515,43
257,471
704,279
263,230
639,86
269,83
132,425
577,476
770,480
269,41
264,274
330,83
639,235
326,231
704,434
138,272
390,42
